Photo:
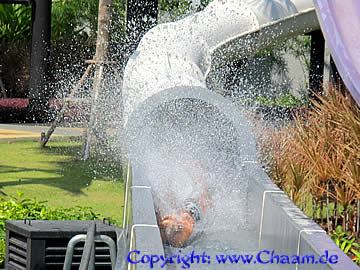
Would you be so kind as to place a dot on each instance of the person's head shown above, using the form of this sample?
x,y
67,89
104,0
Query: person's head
x,y
176,229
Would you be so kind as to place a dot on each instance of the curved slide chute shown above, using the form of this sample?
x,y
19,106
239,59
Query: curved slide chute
x,y
340,23
181,53
170,65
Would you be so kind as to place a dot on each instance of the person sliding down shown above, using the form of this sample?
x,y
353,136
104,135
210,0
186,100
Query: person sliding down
x,y
178,227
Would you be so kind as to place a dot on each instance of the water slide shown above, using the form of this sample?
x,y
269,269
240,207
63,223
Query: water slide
x,y
340,21
170,116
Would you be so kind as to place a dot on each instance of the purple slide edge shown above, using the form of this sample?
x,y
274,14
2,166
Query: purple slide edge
x,y
340,51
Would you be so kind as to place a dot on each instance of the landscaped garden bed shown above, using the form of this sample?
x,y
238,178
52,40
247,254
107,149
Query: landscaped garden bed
x,y
316,160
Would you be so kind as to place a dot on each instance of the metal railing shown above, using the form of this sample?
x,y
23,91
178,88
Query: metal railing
x,y
88,256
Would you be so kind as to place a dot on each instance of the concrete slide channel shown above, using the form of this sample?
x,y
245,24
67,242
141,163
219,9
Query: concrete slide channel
x,y
165,81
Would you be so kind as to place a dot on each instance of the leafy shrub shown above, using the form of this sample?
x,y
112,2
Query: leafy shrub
x,y
179,8
286,100
300,47
74,18
15,22
70,19
347,243
20,208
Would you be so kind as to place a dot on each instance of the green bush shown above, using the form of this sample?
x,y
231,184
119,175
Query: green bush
x,y
178,8
71,19
14,22
347,243
286,100
21,208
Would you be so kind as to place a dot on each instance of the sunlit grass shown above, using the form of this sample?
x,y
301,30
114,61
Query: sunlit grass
x,y
57,175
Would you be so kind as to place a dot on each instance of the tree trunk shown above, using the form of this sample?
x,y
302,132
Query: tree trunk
x,y
316,71
95,129
40,59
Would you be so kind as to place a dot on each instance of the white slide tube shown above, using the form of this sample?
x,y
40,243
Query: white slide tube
x,y
181,53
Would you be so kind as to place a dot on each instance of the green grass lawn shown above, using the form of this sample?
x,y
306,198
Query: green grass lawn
x,y
56,174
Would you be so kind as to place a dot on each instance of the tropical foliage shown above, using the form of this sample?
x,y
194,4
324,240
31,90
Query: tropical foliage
x,y
70,18
347,243
316,160
286,100
14,22
179,8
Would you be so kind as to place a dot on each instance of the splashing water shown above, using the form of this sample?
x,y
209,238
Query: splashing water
x,y
186,140
172,134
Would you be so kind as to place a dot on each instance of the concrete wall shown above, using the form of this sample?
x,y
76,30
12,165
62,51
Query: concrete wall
x,y
140,226
283,227
279,224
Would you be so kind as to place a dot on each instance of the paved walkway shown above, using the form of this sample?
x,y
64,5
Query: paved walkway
x,y
14,131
